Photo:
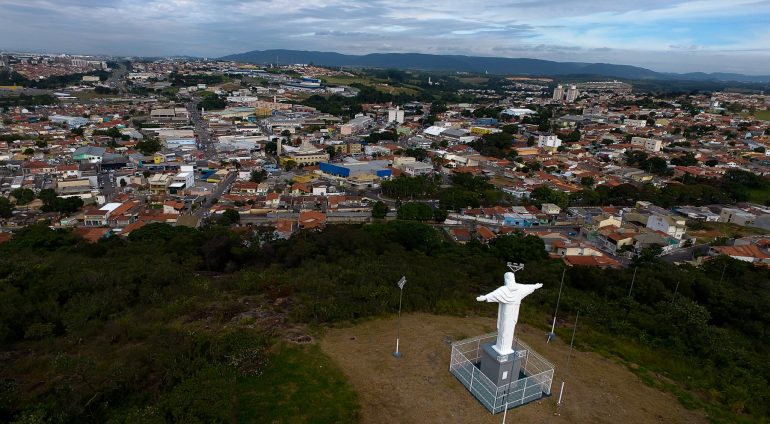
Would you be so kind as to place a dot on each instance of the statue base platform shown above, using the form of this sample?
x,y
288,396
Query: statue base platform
x,y
500,382
500,369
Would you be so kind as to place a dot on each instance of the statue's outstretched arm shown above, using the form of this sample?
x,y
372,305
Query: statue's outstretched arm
x,y
481,298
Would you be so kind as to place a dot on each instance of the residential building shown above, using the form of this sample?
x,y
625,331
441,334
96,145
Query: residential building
x,y
572,94
548,141
159,183
648,144
558,93
396,115
736,216
672,225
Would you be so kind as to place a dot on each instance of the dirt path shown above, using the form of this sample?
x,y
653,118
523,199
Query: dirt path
x,y
418,388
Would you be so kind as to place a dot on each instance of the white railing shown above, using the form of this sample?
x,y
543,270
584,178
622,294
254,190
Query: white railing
x,y
536,383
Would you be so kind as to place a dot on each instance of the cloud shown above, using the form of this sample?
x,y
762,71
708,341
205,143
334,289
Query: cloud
x,y
667,35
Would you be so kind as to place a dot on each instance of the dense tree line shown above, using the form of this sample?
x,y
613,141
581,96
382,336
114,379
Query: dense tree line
x,y
186,80
103,325
28,100
466,191
212,101
498,145
733,187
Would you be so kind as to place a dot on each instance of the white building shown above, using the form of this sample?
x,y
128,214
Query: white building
x,y
558,93
572,94
70,121
417,168
648,144
548,141
674,226
356,124
187,178
517,112
736,216
396,115
635,123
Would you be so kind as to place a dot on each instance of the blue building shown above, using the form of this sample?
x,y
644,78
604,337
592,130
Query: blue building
x,y
377,169
485,121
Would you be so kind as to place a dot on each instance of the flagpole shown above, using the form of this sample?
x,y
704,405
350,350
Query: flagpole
x,y
401,284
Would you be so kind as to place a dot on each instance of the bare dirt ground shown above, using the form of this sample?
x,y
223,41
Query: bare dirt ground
x,y
418,388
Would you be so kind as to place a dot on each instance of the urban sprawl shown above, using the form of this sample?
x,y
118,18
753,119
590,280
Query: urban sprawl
x,y
599,171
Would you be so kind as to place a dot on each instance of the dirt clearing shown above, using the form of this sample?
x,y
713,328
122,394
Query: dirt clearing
x,y
418,388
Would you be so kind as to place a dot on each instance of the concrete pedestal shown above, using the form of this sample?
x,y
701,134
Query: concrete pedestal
x,y
500,369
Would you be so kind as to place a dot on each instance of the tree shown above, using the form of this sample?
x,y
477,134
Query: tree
x,y
587,181
545,194
63,205
230,217
512,129
258,176
712,163
440,215
212,101
519,248
6,208
379,210
148,146
573,137
47,195
687,159
23,196
28,151
289,165
413,211
271,148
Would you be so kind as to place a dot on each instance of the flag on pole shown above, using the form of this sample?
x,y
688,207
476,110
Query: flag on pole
x,y
401,283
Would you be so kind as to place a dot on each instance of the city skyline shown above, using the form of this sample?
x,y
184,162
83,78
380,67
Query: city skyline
x,y
667,36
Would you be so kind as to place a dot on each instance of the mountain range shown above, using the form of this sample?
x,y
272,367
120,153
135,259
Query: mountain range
x,y
479,64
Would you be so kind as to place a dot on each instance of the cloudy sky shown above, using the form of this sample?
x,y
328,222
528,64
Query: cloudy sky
x,y
664,35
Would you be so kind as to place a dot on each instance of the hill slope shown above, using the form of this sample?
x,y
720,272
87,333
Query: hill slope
x,y
476,64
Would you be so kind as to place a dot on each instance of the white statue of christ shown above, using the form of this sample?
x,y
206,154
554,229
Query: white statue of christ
x,y
509,298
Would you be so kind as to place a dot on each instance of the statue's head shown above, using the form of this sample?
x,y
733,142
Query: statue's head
x,y
510,280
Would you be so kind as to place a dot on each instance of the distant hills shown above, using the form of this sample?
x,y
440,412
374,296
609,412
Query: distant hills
x,y
479,64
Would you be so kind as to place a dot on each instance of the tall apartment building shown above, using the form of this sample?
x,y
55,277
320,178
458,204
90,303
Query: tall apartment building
x,y
558,93
572,94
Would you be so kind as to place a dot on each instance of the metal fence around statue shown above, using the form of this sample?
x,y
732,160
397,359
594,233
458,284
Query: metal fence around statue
x,y
533,383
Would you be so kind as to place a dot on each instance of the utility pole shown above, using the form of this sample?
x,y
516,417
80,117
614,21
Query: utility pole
x,y
632,282
552,334
401,283
569,357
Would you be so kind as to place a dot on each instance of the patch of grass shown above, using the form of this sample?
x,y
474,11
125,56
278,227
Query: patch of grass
x,y
378,84
300,385
758,195
474,80
661,371
762,115
708,231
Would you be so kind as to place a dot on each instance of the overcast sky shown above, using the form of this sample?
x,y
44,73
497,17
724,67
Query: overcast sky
x,y
664,35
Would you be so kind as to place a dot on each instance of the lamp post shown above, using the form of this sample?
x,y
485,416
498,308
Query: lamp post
x,y
401,283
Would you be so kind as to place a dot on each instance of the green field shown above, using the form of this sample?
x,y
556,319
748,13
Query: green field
x,y
301,385
761,196
762,115
381,85
474,80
